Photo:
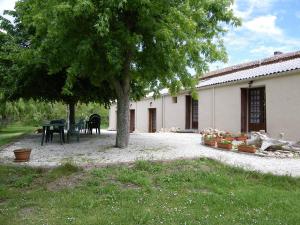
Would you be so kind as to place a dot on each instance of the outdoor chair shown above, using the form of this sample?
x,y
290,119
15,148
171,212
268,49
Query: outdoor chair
x,y
75,130
81,125
56,129
94,122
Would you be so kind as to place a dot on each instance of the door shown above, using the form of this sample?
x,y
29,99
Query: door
x,y
191,113
132,121
256,109
152,120
188,103
194,114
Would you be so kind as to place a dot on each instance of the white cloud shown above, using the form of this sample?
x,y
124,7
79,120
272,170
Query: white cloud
x,y
264,25
6,5
262,4
266,50
251,7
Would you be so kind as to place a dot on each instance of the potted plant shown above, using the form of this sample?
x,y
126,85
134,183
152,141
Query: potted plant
x,y
228,136
225,144
22,155
247,148
241,137
210,140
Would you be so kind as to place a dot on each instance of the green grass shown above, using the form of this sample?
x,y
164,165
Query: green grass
x,y
181,192
11,132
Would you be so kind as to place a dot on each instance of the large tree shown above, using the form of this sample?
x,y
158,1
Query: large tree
x,y
24,74
129,43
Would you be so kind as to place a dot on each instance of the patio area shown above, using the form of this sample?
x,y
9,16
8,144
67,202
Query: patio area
x,y
98,150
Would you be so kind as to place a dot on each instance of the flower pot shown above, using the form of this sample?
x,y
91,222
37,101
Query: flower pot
x,y
211,143
229,138
224,146
22,155
247,148
241,138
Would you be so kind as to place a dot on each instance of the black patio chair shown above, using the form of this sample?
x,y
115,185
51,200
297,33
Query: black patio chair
x,y
94,122
58,128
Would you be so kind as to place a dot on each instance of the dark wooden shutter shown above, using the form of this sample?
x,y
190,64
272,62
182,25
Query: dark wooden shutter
x,y
152,120
132,120
194,114
244,100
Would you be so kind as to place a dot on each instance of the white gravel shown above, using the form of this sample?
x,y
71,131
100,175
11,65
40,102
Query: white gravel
x,y
94,150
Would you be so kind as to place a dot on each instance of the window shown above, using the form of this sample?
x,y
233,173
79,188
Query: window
x,y
174,99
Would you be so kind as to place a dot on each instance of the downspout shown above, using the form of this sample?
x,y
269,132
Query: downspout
x,y
213,111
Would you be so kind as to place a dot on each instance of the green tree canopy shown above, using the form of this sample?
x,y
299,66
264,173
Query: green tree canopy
x,y
130,44
24,74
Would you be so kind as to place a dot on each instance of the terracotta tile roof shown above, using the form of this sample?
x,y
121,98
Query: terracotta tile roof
x,y
276,64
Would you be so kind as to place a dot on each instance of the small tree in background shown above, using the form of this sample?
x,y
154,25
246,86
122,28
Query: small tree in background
x,y
132,45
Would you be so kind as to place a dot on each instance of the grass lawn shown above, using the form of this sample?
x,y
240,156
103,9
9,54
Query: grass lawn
x,y
11,132
180,192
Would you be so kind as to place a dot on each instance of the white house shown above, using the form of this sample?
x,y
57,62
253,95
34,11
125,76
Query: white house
x,y
259,95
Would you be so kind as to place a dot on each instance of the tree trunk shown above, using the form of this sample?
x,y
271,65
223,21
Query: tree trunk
x,y
71,115
122,88
123,121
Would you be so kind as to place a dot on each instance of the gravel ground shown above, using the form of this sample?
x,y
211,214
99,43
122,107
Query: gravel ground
x,y
94,150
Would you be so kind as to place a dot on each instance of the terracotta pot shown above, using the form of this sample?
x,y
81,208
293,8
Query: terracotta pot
x,y
22,155
211,143
246,148
241,138
229,138
224,146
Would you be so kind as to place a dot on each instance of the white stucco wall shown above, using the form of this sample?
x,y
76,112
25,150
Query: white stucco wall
x,y
220,107
112,117
205,110
283,106
174,112
142,114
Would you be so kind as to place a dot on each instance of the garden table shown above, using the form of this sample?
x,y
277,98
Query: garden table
x,y
47,127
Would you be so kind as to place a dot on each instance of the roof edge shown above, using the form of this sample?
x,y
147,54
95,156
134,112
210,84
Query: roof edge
x,y
252,64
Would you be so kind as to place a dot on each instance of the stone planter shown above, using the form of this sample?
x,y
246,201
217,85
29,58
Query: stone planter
x,y
224,146
211,143
247,148
22,155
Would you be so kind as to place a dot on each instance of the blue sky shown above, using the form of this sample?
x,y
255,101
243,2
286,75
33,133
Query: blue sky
x,y
268,26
